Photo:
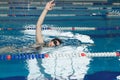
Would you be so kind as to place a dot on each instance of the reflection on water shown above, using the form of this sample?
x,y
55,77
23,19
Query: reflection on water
x,y
63,67
71,67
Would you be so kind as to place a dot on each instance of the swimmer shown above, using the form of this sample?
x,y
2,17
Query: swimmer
x,y
39,38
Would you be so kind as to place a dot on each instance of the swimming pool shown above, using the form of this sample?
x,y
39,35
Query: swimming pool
x,y
63,64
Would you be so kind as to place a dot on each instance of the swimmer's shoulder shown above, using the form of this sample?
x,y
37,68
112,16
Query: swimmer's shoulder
x,y
38,45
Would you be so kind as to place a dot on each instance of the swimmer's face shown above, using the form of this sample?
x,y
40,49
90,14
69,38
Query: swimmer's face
x,y
53,43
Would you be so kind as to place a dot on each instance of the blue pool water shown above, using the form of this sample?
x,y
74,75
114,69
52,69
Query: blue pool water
x,y
61,68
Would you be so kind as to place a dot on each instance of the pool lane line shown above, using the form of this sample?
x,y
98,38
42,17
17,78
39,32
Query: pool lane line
x,y
101,54
61,15
65,28
27,56
55,20
54,15
59,2
84,8
58,8
85,28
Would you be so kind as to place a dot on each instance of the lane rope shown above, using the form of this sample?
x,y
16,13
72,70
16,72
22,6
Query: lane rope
x,y
65,28
70,2
62,15
60,8
26,56
52,15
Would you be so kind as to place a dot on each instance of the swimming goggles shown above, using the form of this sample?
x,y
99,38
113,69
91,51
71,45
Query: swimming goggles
x,y
55,42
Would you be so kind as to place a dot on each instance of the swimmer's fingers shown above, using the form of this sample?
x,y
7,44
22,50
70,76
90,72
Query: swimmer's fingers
x,y
50,5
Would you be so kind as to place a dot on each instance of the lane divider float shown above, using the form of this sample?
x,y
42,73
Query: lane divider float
x,y
59,2
27,56
57,15
66,28
60,8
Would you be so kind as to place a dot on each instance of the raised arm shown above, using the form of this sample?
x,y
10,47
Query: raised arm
x,y
39,37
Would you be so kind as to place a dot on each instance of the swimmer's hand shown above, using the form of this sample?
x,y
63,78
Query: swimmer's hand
x,y
50,5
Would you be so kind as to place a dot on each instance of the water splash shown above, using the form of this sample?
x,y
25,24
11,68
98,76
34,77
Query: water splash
x,y
63,67
118,77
